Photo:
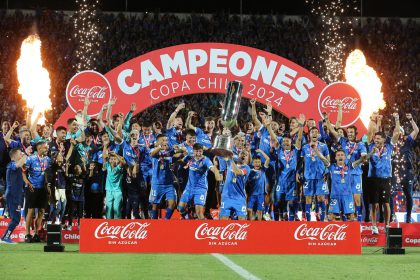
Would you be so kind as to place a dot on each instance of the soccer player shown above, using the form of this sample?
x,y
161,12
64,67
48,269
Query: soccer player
x,y
174,127
162,177
288,156
24,141
380,173
316,157
341,200
354,151
196,189
233,193
257,182
266,144
113,164
14,190
408,166
36,196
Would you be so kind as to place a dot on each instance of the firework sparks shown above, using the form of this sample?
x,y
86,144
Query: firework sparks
x,y
86,34
335,29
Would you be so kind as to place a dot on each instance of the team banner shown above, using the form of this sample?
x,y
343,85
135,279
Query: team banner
x,y
207,68
230,237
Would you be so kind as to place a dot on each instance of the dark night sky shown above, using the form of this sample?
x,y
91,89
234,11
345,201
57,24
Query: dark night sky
x,y
381,8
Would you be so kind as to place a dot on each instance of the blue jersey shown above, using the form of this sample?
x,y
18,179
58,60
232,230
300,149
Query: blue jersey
x,y
36,167
198,169
314,167
253,141
203,138
161,168
354,150
18,144
147,142
257,180
266,144
175,136
188,147
234,186
132,154
340,179
288,161
14,182
380,165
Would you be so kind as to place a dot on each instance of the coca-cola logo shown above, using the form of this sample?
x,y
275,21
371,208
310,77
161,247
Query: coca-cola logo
x,y
349,103
92,92
369,240
232,231
327,233
349,97
133,230
89,84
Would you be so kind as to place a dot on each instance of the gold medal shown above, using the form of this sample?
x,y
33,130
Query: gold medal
x,y
234,180
349,156
313,158
342,180
287,165
162,166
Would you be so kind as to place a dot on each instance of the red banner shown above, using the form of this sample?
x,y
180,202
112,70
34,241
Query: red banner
x,y
208,67
178,236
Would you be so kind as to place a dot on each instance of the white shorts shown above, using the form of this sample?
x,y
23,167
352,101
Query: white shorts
x,y
60,195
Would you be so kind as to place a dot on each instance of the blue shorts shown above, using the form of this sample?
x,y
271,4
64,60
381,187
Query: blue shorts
x,y
256,202
286,189
196,196
157,192
229,206
356,184
342,203
315,187
147,174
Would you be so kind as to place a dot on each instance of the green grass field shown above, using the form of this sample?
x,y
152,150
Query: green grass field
x,y
28,261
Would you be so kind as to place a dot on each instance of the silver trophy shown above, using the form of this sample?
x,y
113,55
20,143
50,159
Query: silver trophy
x,y
223,143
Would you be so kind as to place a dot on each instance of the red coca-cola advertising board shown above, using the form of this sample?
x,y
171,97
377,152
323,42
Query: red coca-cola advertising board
x,y
178,236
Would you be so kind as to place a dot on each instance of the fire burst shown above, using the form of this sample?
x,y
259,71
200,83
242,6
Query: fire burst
x,y
34,79
366,81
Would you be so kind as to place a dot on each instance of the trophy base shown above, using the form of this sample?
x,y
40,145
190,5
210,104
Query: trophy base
x,y
222,146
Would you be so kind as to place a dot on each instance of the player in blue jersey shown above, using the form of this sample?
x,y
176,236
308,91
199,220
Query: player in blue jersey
x,y
234,194
266,144
38,189
14,190
204,137
316,158
174,127
162,177
257,181
147,142
341,198
187,148
380,172
354,151
197,185
288,156
407,172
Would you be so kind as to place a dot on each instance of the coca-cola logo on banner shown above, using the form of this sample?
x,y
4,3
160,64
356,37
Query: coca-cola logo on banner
x,y
230,232
329,232
92,84
350,98
133,230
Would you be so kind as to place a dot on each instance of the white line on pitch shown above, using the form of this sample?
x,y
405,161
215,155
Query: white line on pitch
x,y
236,268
